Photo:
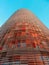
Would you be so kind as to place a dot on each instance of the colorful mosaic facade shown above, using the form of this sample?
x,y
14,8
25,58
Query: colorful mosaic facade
x,y
24,40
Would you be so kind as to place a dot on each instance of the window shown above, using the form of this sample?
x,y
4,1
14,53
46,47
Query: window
x,y
18,44
23,44
3,54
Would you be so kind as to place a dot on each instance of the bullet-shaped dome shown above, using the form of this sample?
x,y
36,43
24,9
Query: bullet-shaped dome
x,y
24,40
23,29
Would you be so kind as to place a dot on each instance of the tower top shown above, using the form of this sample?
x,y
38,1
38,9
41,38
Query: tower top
x,y
22,15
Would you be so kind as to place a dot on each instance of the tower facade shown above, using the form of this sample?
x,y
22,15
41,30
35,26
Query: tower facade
x,y
24,40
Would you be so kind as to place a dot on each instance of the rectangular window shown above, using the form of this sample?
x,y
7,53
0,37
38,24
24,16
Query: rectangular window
x,y
18,44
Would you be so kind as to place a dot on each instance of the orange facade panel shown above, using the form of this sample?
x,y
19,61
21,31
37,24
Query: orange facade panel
x,y
24,41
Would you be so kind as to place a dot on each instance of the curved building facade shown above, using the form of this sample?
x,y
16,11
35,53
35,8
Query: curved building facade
x,y
24,40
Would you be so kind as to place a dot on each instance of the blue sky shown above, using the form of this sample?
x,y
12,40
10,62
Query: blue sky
x,y
38,7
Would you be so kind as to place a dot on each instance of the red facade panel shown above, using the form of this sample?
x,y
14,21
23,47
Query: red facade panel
x,y
24,41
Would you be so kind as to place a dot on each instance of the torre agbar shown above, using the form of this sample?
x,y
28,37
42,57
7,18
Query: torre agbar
x,y
24,40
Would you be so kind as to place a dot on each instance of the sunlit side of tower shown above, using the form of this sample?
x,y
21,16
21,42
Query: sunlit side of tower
x,y
24,40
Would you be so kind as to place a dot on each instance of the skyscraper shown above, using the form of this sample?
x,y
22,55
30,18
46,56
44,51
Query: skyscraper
x,y
24,40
